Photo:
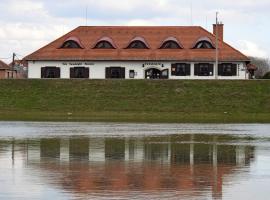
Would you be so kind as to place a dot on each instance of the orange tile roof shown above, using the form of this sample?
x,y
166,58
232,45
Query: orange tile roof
x,y
123,35
3,65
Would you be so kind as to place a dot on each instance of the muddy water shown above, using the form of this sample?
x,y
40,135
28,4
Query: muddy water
x,y
134,161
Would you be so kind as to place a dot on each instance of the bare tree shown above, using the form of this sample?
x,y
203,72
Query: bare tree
x,y
263,65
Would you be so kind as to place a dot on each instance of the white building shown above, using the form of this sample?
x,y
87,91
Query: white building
x,y
139,53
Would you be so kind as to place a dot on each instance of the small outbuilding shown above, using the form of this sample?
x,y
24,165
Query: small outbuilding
x,y
5,71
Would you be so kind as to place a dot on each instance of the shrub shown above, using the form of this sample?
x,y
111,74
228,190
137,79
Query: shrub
x,y
267,76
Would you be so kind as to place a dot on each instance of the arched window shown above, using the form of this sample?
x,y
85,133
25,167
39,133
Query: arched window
x,y
138,43
204,43
105,43
170,45
72,43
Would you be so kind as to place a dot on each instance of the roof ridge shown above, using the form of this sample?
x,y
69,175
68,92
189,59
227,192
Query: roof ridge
x,y
142,26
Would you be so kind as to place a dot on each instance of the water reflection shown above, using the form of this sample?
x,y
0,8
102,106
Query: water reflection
x,y
184,165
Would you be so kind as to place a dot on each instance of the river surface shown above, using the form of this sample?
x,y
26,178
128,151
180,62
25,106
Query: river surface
x,y
134,161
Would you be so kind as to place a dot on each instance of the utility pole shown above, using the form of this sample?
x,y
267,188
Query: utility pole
x,y
216,68
13,65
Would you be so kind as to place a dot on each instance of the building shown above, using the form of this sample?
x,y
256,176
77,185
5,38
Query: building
x,y
5,71
150,52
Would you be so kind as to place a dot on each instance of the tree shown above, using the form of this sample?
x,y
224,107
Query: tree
x,y
263,65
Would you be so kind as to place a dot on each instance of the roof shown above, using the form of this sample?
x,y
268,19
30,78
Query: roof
x,y
3,65
123,35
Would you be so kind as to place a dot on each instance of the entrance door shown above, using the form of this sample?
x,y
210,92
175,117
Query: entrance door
x,y
154,73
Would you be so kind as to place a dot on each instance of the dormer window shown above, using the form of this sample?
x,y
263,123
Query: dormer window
x,y
204,43
170,43
138,43
72,43
105,43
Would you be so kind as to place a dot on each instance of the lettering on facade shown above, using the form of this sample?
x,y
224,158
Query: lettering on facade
x,y
154,64
77,63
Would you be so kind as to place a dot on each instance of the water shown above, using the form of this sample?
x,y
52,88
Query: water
x,y
134,161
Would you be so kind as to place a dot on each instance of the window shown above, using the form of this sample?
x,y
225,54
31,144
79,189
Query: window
x,y
227,69
165,74
204,69
170,45
137,45
180,69
50,72
70,44
79,72
104,45
204,45
115,72
131,74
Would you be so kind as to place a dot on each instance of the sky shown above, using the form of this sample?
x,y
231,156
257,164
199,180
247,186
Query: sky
x,y
27,25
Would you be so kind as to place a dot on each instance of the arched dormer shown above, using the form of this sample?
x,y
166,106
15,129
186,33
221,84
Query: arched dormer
x,y
105,43
171,43
138,43
203,43
72,43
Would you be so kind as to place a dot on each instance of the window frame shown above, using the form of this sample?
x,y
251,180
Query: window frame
x,y
109,72
130,46
223,72
50,72
186,69
104,42
198,69
77,45
83,70
204,44
163,46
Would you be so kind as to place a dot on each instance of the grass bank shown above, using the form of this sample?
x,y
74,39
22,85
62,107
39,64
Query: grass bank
x,y
136,101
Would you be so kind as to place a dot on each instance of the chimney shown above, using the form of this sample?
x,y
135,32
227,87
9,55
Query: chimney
x,y
218,28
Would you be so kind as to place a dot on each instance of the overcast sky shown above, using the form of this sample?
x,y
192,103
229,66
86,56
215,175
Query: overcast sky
x,y
26,25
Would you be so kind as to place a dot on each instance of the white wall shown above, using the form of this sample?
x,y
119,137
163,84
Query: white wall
x,y
97,69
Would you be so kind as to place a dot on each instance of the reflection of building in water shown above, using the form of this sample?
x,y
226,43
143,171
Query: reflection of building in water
x,y
181,162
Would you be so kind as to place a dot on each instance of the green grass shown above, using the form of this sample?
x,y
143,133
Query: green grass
x,y
136,101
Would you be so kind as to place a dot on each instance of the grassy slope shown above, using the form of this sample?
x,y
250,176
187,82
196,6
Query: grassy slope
x,y
135,101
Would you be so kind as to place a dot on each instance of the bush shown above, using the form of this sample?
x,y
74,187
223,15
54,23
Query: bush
x,y
267,76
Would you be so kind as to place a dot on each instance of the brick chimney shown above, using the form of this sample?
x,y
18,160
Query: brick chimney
x,y
218,28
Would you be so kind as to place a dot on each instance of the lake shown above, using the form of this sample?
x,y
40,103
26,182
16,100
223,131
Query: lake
x,y
46,160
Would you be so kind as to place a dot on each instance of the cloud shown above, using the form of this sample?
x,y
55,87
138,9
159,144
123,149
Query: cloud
x,y
27,25
252,49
